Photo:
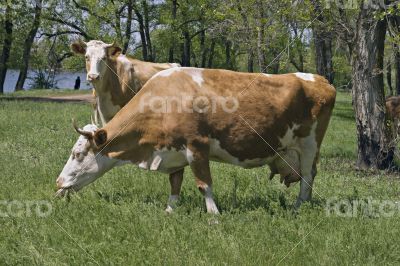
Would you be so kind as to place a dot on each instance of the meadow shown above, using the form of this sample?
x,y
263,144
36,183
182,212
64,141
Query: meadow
x,y
120,219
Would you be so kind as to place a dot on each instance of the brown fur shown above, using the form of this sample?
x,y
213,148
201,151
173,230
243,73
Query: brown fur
x,y
393,107
270,105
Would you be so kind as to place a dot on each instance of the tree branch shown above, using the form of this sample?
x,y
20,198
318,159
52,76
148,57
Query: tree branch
x,y
91,12
69,24
51,35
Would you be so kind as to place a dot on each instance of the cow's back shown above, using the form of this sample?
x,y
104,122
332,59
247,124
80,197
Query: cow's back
x,y
268,108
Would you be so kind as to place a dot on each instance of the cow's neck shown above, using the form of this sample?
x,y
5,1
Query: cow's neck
x,y
122,80
128,147
113,91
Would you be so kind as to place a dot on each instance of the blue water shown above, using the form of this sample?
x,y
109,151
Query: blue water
x,y
65,80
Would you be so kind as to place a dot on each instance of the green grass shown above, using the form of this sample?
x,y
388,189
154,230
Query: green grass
x,y
46,93
119,220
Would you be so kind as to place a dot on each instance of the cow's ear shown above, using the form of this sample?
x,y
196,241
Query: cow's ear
x,y
100,137
113,50
78,48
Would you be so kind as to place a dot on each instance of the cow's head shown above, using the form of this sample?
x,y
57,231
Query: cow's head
x,y
86,162
96,54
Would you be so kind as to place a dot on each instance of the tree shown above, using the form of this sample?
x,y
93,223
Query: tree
x,y
8,26
395,32
28,45
323,43
375,148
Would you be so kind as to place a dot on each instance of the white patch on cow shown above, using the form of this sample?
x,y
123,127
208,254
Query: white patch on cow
x,y
189,155
144,165
167,72
267,75
305,76
309,148
210,204
196,74
218,154
289,139
125,62
175,65
155,164
96,53
165,161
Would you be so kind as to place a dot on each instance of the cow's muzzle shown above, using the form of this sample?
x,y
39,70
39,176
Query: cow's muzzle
x,y
93,77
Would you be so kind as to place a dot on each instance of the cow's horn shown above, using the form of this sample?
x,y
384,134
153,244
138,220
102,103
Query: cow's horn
x,y
112,44
87,134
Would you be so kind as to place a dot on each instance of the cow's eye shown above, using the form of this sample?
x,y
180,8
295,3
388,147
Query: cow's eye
x,y
78,156
87,58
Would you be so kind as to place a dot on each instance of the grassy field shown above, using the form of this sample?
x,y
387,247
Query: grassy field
x,y
46,93
120,219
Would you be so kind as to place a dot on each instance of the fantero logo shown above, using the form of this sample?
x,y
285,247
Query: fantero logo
x,y
188,104
27,208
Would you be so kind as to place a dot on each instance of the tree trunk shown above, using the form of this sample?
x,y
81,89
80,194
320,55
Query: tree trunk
x,y
375,148
28,45
128,28
250,52
397,64
171,49
186,48
250,61
260,48
212,52
8,27
150,52
275,64
323,45
142,33
203,48
394,30
389,78
260,38
228,57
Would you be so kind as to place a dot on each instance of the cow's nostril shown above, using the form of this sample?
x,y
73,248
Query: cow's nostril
x,y
59,182
91,77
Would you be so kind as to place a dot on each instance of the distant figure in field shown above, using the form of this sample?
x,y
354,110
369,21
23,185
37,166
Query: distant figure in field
x,y
77,83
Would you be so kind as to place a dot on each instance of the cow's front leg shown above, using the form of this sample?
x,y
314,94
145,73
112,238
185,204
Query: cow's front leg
x,y
201,170
175,180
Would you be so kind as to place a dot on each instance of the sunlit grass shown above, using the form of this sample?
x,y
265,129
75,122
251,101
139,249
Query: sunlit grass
x,y
120,220
46,93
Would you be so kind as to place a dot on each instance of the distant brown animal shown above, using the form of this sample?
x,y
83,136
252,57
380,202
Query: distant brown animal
x,y
393,107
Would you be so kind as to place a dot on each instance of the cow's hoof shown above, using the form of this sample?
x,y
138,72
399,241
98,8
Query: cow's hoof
x,y
213,221
169,210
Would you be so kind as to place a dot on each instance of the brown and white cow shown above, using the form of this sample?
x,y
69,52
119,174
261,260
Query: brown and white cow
x,y
189,116
116,78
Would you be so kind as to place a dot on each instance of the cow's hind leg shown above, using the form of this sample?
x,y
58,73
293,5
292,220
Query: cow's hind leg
x,y
309,151
201,170
175,180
